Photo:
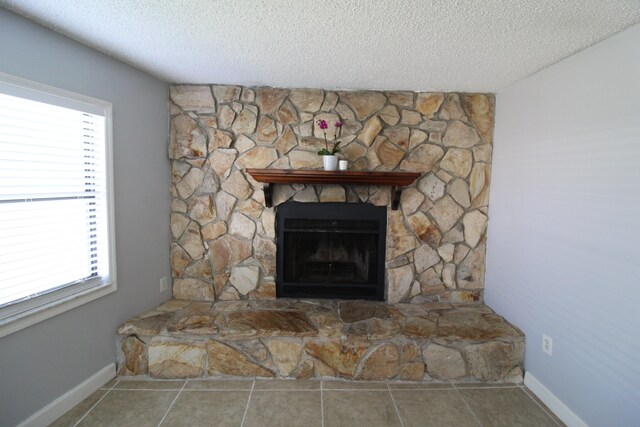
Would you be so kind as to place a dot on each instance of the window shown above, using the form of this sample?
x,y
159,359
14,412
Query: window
x,y
56,222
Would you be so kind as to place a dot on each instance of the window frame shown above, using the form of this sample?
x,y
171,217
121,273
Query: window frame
x,y
23,314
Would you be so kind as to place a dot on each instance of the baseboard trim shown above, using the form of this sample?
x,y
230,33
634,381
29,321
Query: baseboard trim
x,y
561,410
62,404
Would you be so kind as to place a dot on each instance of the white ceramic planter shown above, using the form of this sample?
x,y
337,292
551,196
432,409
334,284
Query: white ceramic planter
x,y
330,163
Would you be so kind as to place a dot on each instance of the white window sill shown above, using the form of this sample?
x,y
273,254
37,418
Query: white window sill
x,y
23,320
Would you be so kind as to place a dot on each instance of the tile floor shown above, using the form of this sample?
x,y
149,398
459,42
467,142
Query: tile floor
x,y
265,403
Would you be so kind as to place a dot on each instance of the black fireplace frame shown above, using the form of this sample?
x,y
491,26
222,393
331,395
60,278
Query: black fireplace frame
x,y
335,211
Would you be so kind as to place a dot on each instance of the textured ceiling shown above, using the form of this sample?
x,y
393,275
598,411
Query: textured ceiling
x,y
473,45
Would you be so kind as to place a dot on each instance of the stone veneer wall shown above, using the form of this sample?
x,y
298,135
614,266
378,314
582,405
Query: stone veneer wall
x,y
223,236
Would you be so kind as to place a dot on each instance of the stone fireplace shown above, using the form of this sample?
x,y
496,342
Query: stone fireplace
x,y
224,238
330,250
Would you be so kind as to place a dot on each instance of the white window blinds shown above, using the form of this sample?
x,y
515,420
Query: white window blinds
x,y
53,195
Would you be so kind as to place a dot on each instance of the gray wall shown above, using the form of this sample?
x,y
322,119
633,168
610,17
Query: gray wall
x,y
563,238
42,362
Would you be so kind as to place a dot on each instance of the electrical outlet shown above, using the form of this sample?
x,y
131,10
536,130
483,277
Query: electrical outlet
x,y
547,344
164,284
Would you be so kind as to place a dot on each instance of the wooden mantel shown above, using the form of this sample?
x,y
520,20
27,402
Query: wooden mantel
x,y
396,180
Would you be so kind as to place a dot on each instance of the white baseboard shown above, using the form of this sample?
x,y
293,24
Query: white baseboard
x,y
561,410
62,404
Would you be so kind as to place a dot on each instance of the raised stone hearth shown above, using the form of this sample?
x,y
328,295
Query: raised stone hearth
x,y
288,338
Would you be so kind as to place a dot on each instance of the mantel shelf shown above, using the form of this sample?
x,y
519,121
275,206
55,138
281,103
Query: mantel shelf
x,y
396,180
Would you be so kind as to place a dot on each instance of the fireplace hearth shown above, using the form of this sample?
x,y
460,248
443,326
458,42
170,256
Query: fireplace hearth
x,y
330,250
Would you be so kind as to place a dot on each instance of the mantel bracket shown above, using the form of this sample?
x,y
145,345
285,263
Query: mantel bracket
x,y
268,194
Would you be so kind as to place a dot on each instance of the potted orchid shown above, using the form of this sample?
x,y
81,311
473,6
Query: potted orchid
x,y
329,158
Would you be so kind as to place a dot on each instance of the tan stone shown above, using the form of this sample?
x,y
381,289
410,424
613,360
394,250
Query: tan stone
x,y
399,136
267,323
237,185
425,229
422,158
403,99
186,138
355,311
202,209
433,126
410,117
399,239
221,161
269,99
471,269
388,154
478,183
449,276
178,170
192,289
370,131
303,371
330,101
460,193
257,157
248,95
332,193
446,213
179,260
340,357
251,208
226,360
428,103
353,151
269,222
425,257
266,132
241,226
417,137
144,325
492,361
480,109
412,371
226,251
307,195
458,161
390,115
244,143
200,269
135,361
432,187
194,322
380,329
226,116
245,278
219,139
287,114
474,224
380,364
267,290
460,252
225,94
309,100
213,230
229,294
327,323
452,110
286,142
460,135
399,282
444,363
224,205
482,153
304,159
454,235
430,280
411,200
364,104
193,98
245,122
285,354
176,358
446,252
282,193
421,327
190,182
192,242
178,223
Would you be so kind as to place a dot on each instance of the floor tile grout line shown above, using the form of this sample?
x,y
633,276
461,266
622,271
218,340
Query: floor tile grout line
x,y
322,402
466,404
546,411
95,404
172,403
395,406
246,408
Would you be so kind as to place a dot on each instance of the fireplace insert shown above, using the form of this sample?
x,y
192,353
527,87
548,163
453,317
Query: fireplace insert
x,y
330,250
